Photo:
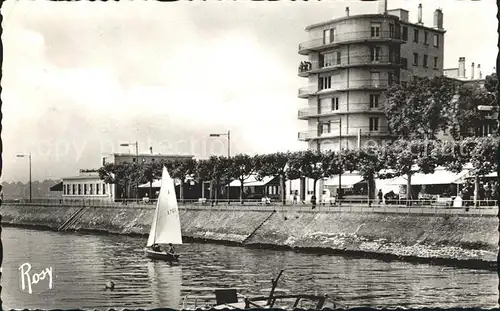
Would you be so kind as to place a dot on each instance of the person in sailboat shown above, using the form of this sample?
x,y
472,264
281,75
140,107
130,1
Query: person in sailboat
x,y
156,248
171,249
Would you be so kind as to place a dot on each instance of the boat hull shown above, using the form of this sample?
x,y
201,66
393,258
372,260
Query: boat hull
x,y
161,256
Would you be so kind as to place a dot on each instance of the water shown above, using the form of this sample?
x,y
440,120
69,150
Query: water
x,y
83,263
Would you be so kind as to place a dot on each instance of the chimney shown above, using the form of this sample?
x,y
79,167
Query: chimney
x,y
472,71
420,14
346,11
438,19
382,7
461,67
479,71
151,150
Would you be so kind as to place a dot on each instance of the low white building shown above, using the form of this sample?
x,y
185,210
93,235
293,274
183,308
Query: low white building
x,y
87,185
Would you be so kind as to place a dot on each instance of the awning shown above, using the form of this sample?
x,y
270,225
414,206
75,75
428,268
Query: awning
x,y
345,180
439,177
252,182
57,187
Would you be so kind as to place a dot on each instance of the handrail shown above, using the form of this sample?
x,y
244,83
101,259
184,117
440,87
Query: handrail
x,y
347,37
356,60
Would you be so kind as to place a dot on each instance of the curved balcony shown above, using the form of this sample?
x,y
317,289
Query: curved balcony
x,y
382,131
325,111
341,86
347,62
305,92
319,44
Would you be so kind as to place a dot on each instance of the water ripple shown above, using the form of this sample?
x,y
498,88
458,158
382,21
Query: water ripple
x,y
83,263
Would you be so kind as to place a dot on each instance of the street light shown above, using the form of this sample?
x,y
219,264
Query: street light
x,y
228,134
339,122
29,157
137,159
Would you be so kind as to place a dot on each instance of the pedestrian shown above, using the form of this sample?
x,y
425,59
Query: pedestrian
x,y
295,197
380,196
313,201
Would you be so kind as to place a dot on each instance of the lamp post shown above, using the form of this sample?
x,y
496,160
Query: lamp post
x,y
228,134
339,122
29,157
137,160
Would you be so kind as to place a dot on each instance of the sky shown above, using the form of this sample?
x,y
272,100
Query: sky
x,y
79,78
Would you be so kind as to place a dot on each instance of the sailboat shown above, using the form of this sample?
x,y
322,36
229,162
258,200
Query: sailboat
x,y
166,226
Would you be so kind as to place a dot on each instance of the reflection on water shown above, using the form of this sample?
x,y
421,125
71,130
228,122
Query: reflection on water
x,y
83,263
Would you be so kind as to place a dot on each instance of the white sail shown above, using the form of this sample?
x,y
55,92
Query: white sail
x,y
166,227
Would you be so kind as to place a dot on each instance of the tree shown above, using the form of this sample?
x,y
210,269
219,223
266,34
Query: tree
x,y
118,174
409,157
483,159
217,173
243,166
466,113
314,164
203,173
274,164
419,108
368,162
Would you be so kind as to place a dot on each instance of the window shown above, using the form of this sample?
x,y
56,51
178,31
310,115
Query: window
x,y
375,30
375,78
426,39
425,61
404,62
375,53
435,63
104,189
391,31
436,40
328,35
405,33
415,35
415,59
374,124
133,159
390,78
327,59
74,189
335,103
325,128
97,190
91,191
79,188
84,188
325,83
374,98
338,58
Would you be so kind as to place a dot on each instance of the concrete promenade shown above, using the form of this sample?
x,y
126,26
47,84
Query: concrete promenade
x,y
417,207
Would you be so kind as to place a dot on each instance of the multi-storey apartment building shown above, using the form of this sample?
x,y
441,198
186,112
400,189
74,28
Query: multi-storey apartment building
x,y
352,60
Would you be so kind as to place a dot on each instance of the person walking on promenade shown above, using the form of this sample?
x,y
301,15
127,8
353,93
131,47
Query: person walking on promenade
x,y
380,196
313,201
295,197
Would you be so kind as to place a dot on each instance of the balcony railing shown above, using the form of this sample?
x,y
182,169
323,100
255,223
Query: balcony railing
x,y
361,84
327,110
346,131
349,37
347,61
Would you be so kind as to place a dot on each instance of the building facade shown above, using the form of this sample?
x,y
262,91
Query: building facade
x,y
352,60
87,185
145,158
